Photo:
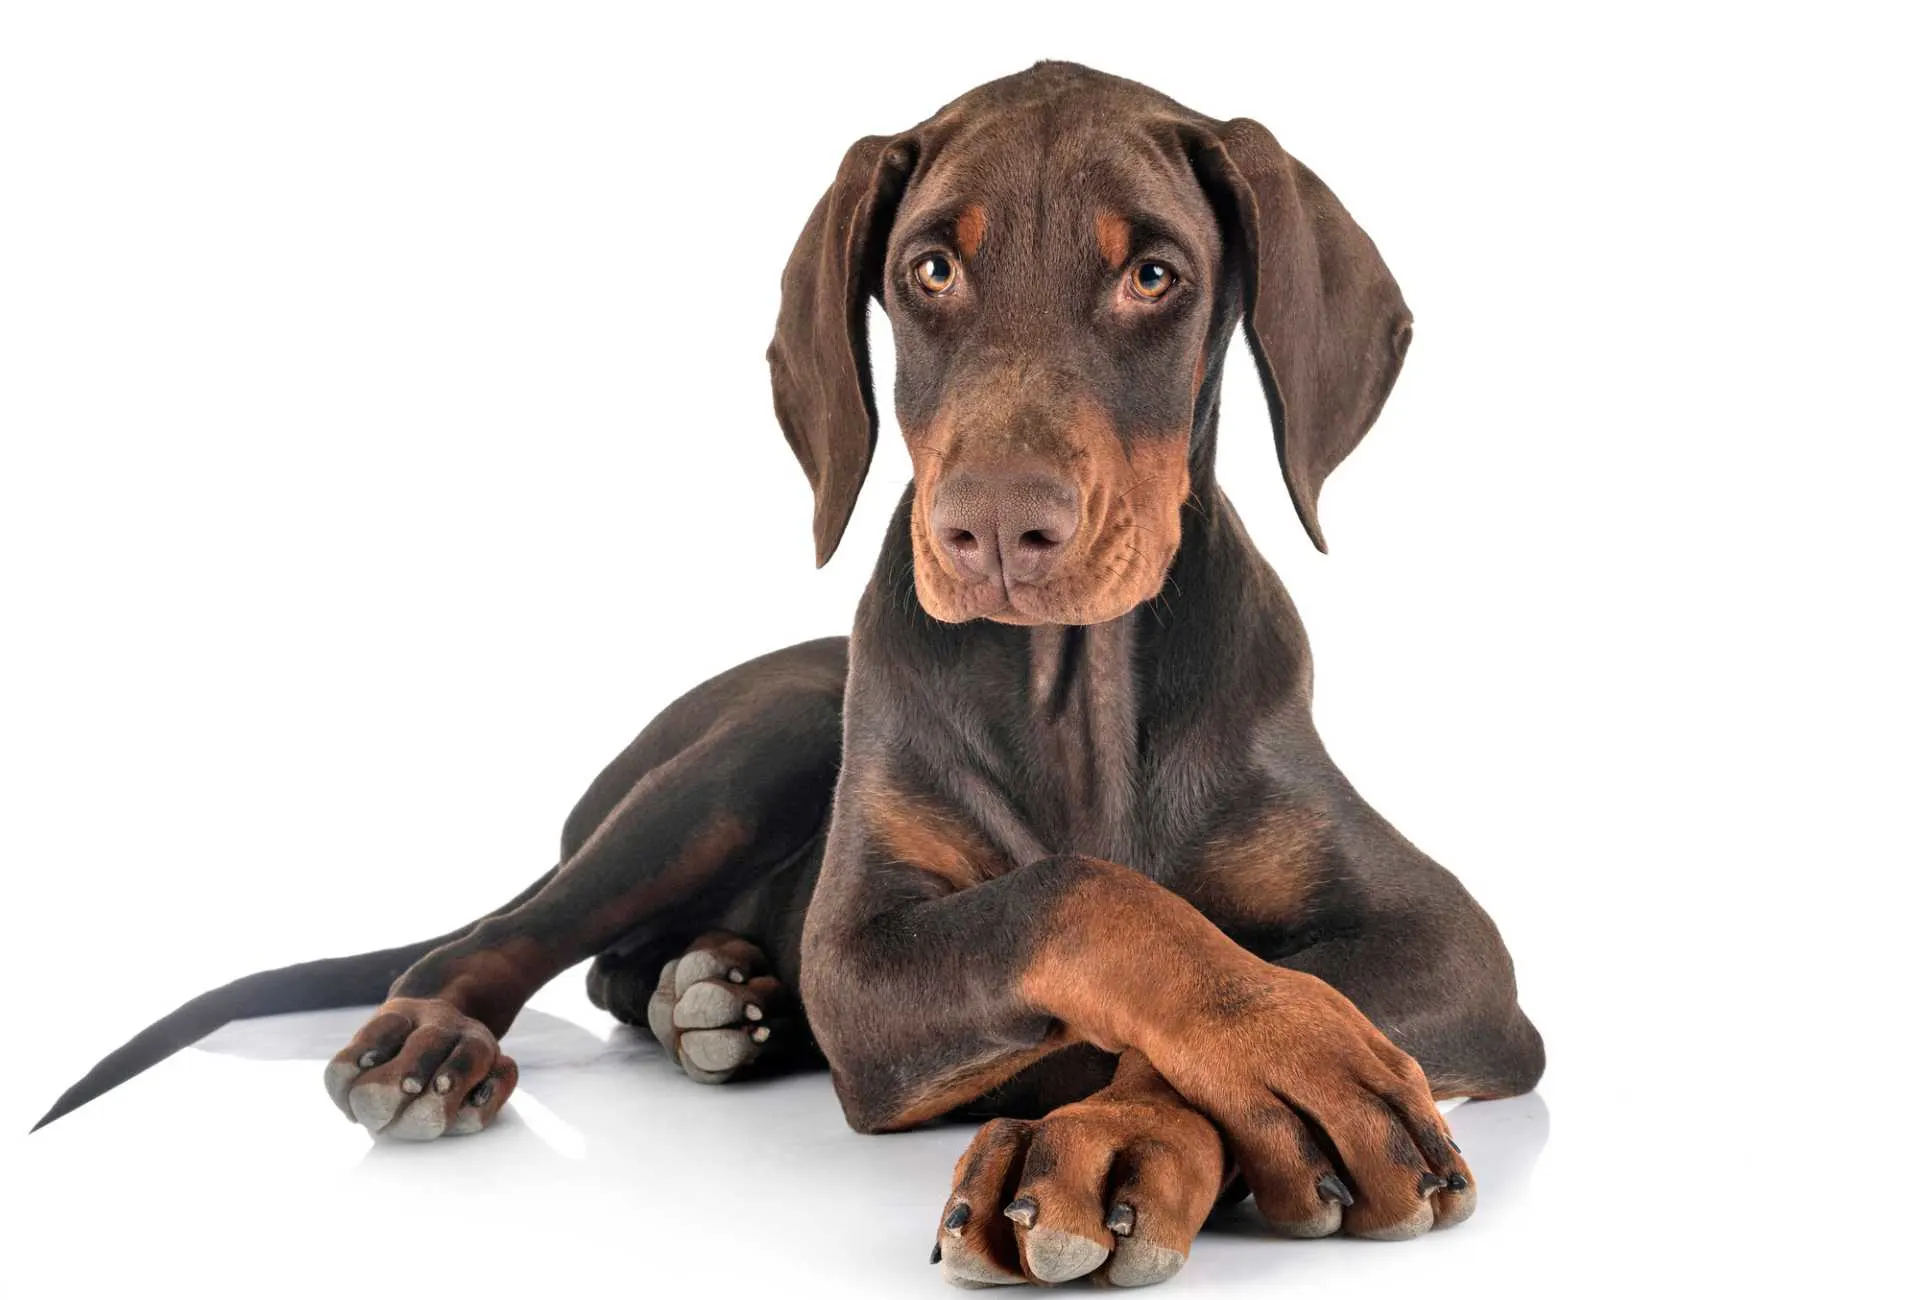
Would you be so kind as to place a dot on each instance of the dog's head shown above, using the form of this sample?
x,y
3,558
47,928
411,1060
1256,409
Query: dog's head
x,y
1063,256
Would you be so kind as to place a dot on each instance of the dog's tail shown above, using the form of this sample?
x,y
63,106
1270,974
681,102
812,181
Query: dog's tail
x,y
360,980
309,986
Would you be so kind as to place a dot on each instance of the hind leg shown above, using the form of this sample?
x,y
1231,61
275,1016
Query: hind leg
x,y
718,1008
736,781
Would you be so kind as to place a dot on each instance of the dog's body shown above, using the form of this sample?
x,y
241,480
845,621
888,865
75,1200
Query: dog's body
x,y
1053,835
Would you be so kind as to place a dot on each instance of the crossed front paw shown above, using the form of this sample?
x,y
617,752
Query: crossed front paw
x,y
419,1070
1114,1190
1333,1127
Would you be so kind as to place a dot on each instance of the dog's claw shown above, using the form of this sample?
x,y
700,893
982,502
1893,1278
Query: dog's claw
x,y
1456,1182
1120,1222
1453,1144
1332,1189
1023,1211
957,1218
1429,1184
935,1257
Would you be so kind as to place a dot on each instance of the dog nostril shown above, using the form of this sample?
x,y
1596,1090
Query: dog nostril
x,y
959,539
1038,540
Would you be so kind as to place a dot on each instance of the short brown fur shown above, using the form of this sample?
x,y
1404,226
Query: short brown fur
x,y
1029,836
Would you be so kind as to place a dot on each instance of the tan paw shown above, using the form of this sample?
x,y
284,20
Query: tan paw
x,y
1109,1189
1332,1125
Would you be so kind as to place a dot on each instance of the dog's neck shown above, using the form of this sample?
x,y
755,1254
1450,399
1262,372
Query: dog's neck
x,y
1082,704
1092,739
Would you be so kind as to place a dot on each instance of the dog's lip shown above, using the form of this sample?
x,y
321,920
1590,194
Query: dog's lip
x,y
1023,605
1027,601
1012,611
997,606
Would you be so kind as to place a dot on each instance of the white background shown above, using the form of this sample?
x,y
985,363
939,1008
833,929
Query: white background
x,y
386,438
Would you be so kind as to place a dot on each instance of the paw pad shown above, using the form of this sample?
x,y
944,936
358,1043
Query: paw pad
x,y
715,1009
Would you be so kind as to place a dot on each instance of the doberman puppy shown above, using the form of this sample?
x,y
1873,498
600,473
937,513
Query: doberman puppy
x,y
1051,838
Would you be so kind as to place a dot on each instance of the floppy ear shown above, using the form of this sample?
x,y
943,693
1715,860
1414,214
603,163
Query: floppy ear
x,y
822,382
1325,318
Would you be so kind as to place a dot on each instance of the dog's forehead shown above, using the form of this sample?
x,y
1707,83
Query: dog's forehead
x,y
1060,160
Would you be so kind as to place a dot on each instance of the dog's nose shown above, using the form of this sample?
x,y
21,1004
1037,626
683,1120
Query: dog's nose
x,y
1011,527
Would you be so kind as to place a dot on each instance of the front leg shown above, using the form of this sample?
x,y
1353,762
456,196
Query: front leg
x,y
924,994
1326,886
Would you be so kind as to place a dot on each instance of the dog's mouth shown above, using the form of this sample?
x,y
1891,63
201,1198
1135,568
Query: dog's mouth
x,y
1074,540
1117,569
1015,604
1020,606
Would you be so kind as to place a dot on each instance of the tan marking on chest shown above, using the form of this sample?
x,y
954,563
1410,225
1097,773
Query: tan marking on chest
x,y
1266,870
921,832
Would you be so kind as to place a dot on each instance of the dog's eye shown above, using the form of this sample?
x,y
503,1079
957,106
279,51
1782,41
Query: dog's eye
x,y
1151,280
935,272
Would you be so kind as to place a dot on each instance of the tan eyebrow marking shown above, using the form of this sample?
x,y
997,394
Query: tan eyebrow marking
x,y
1111,232
969,230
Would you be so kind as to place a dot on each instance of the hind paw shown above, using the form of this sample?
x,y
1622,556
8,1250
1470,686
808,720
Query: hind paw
x,y
717,1011
421,1070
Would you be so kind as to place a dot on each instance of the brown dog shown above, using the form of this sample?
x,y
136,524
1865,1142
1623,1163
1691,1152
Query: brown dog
x,y
1088,867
